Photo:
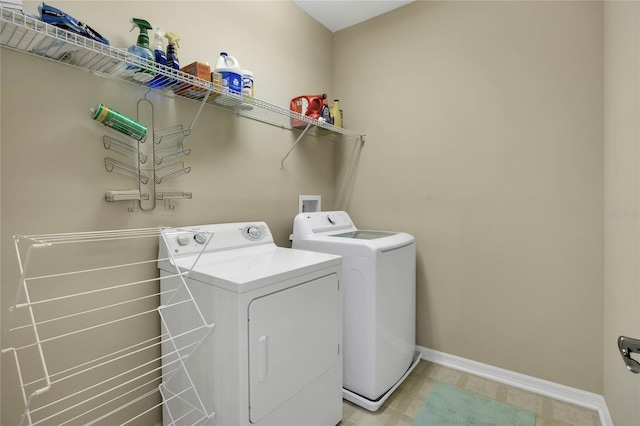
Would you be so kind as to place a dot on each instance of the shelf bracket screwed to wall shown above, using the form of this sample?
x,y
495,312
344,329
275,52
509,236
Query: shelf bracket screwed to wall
x,y
294,144
360,138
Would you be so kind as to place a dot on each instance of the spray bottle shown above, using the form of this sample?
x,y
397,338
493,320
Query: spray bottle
x,y
160,80
172,51
141,50
325,117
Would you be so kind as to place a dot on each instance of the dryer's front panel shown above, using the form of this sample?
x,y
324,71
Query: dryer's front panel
x,y
294,338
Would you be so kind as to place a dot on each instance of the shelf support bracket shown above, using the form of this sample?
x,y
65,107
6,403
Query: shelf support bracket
x,y
195,118
294,144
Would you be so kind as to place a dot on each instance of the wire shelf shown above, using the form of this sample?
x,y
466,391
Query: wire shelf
x,y
29,35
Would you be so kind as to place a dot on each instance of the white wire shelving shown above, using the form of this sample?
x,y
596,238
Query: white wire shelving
x,y
89,334
29,35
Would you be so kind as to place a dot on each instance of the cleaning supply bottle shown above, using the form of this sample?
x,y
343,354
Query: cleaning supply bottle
x,y
141,50
172,51
309,105
326,112
325,117
337,113
247,83
228,67
160,80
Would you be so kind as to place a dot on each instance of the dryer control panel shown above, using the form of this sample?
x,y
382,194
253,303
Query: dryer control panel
x,y
192,240
185,240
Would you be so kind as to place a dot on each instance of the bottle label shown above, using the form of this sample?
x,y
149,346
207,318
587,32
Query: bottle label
x,y
112,118
232,81
247,85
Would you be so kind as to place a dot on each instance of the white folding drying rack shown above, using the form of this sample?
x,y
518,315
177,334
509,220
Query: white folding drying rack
x,y
89,336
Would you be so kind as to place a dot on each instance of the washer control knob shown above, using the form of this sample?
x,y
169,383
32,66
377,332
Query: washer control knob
x,y
183,239
200,238
331,219
254,232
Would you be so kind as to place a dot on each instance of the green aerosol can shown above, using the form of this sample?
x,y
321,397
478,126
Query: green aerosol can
x,y
120,122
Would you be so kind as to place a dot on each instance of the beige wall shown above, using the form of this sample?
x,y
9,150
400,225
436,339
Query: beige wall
x,y
622,251
484,123
53,176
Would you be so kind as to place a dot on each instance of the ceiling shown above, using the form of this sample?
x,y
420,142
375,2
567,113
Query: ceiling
x,y
339,14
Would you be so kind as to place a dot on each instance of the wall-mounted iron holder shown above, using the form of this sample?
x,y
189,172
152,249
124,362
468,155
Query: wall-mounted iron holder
x,y
123,148
172,132
147,173
173,140
168,196
171,171
170,153
125,170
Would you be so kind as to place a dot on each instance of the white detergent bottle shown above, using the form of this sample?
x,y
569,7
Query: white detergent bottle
x,y
228,67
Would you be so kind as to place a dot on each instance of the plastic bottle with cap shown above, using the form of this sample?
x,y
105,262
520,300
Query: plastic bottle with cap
x,y
172,51
337,113
143,73
228,67
159,80
247,83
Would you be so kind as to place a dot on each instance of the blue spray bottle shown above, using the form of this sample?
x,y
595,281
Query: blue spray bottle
x,y
160,80
172,51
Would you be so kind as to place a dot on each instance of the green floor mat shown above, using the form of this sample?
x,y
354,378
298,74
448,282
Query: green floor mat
x,y
448,405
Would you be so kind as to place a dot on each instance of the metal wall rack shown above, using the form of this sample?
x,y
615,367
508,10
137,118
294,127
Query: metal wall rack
x,y
89,338
153,166
29,35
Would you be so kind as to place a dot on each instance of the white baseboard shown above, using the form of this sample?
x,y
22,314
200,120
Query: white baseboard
x,y
553,390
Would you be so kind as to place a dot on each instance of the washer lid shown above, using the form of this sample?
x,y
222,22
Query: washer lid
x,y
248,268
364,235
349,246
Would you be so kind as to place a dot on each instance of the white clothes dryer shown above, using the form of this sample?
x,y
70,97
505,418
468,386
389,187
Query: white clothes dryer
x,y
272,322
379,284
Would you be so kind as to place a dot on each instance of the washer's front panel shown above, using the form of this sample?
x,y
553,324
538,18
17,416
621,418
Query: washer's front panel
x,y
294,338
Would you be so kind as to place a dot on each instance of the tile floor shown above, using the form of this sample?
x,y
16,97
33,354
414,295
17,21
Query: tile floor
x,y
402,407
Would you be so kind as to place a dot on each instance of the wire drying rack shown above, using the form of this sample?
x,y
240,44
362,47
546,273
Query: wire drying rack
x,y
89,334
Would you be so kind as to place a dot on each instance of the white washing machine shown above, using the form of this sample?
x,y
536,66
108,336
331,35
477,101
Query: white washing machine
x,y
251,332
379,284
